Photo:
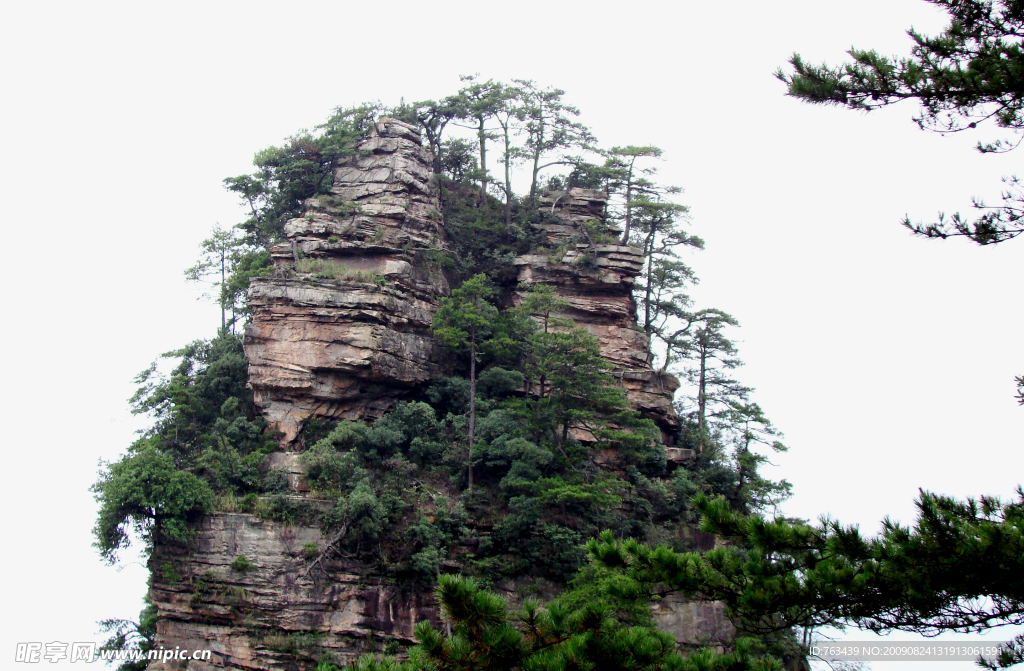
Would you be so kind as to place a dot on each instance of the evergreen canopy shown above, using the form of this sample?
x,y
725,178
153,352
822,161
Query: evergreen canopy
x,y
970,73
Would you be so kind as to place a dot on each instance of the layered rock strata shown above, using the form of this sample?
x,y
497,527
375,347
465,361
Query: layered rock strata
x,y
596,278
342,329
242,590
264,612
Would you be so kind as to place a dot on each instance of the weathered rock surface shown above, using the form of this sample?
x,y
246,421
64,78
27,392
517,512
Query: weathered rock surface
x,y
574,208
342,330
271,616
693,623
597,281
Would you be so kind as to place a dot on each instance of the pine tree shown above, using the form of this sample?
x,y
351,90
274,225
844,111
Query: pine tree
x,y
712,355
971,73
549,128
663,284
481,101
483,634
463,322
630,180
960,567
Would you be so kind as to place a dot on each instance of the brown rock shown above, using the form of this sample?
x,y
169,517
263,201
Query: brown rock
x,y
694,624
263,617
345,333
597,281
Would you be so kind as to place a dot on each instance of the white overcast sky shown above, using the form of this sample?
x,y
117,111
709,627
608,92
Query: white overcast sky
x,y
887,360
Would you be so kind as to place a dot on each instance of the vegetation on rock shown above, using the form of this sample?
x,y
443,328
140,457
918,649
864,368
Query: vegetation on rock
x,y
503,469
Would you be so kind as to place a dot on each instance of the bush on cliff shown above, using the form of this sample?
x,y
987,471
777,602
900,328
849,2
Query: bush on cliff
x,y
145,493
206,438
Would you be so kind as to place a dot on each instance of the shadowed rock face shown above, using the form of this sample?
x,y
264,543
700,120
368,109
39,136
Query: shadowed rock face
x,y
262,617
342,329
597,281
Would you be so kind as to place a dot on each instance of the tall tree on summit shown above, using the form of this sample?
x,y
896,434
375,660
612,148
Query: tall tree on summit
x,y
630,179
433,117
482,101
509,113
549,128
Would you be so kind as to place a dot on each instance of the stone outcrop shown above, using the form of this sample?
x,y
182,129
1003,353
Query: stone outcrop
x,y
342,329
263,612
596,278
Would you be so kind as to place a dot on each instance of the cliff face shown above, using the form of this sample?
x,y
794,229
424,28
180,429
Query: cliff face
x,y
342,330
597,281
272,616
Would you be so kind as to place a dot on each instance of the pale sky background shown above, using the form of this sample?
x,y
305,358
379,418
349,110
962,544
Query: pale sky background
x,y
887,360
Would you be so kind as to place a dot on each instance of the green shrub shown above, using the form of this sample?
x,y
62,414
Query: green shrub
x,y
327,469
169,573
242,564
248,503
286,510
449,394
145,492
334,270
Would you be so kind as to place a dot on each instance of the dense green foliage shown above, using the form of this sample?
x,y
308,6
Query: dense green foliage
x,y
540,490
960,567
207,437
582,629
971,73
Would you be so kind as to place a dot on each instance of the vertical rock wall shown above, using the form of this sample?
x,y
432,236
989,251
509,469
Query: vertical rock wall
x,y
597,280
342,329
271,615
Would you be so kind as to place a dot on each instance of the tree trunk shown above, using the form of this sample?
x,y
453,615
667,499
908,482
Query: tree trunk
x,y
472,404
508,178
649,253
483,163
536,161
223,288
702,399
629,197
